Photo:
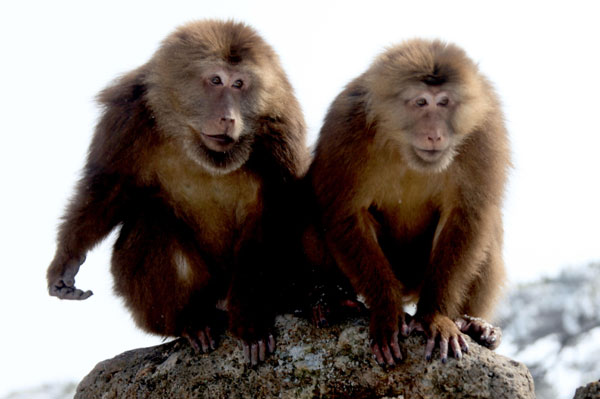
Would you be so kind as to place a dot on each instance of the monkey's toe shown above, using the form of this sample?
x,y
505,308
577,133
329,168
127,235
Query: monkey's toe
x,y
480,331
256,352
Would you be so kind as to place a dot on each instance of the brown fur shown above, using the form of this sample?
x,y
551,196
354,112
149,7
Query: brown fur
x,y
197,224
400,227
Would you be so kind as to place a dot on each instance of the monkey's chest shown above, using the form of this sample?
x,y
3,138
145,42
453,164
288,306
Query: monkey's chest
x,y
408,208
222,210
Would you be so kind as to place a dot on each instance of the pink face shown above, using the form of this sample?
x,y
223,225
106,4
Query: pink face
x,y
430,139
430,110
224,91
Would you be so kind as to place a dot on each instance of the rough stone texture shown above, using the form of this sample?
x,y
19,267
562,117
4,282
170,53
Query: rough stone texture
x,y
590,391
309,363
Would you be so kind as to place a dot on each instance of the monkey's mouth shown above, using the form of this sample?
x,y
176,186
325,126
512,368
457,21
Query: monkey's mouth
x,y
218,142
219,138
429,155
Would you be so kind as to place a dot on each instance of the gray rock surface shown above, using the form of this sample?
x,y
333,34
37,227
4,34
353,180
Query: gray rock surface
x,y
309,363
590,391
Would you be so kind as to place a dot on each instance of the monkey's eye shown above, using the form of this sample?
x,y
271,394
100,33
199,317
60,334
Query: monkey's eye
x,y
444,101
421,102
216,80
237,84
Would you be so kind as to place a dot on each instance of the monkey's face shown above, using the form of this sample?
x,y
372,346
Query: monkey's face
x,y
219,119
213,108
429,139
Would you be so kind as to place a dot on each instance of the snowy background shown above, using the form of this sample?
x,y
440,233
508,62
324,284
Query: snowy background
x,y
55,56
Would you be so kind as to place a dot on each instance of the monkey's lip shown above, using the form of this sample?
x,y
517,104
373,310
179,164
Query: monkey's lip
x,y
219,138
218,142
429,155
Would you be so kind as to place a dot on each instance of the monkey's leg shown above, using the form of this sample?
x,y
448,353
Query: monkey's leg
x,y
353,241
250,301
456,259
480,300
164,281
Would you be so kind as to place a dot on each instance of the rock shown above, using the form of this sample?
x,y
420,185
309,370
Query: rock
x,y
590,391
308,363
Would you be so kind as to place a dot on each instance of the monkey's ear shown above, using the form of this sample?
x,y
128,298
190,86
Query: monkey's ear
x,y
125,90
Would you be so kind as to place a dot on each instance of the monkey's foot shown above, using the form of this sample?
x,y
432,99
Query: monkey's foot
x,y
319,315
443,332
384,342
201,341
256,351
480,330
386,351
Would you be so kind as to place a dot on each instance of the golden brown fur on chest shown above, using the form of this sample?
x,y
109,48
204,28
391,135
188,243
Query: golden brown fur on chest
x,y
222,209
407,202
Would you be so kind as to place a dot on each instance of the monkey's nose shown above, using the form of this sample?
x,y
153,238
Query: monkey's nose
x,y
227,123
434,136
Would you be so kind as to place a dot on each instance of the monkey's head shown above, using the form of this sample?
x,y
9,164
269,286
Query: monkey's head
x,y
428,97
208,86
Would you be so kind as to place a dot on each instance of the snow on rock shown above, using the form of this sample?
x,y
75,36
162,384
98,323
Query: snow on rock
x,y
553,326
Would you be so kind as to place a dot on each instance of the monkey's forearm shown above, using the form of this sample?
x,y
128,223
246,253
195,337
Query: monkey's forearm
x,y
354,245
92,214
94,211
453,264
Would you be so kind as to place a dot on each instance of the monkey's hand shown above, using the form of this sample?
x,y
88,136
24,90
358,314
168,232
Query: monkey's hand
x,y
61,278
480,331
384,330
256,343
443,331
202,340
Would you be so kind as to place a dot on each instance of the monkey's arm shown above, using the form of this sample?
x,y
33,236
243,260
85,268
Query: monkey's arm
x,y
250,301
458,251
353,242
92,214
122,134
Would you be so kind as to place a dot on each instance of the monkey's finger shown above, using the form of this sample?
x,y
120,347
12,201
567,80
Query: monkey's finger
x,y
495,338
377,354
271,343
463,344
415,326
455,347
85,294
64,292
396,346
444,349
387,354
246,350
203,341
429,348
461,324
404,329
254,354
261,350
486,332
192,341
211,341
319,318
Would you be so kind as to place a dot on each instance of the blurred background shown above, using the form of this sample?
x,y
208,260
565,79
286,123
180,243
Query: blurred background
x,y
542,57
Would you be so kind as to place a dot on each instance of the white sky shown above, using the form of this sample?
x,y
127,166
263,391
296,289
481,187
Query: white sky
x,y
543,57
